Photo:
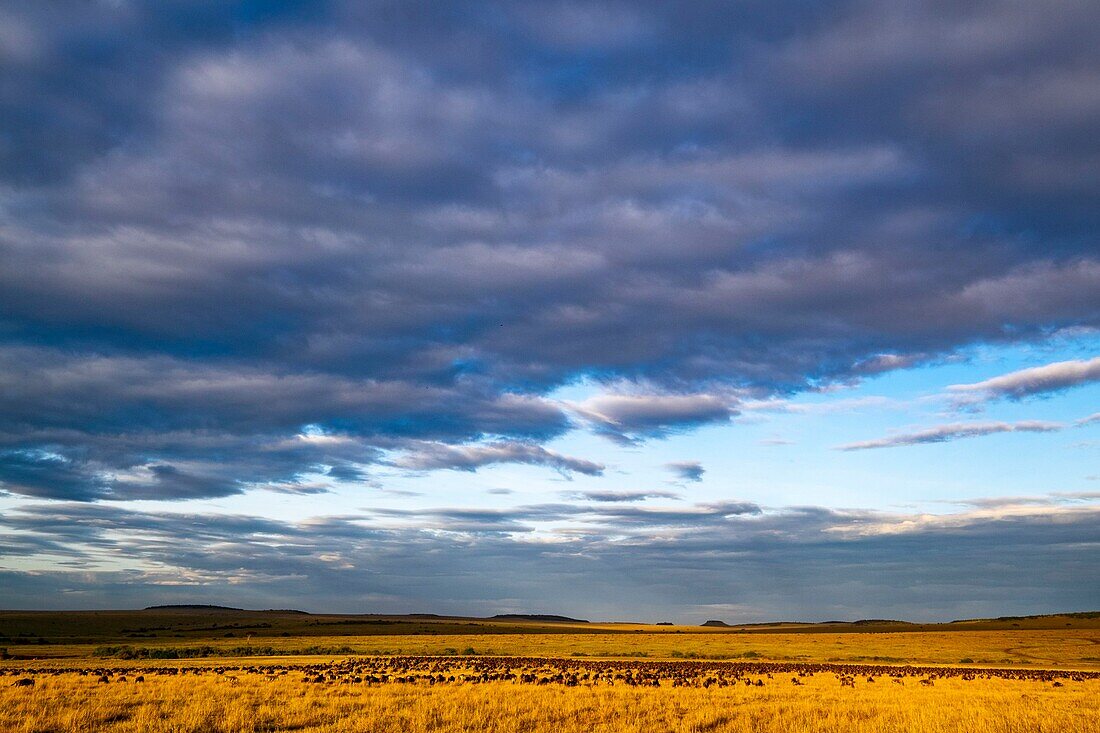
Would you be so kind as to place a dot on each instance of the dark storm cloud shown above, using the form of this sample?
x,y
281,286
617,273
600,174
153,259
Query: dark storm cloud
x,y
54,389
796,562
223,222
46,475
112,427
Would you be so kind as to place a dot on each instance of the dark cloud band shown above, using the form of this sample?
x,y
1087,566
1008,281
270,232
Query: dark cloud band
x,y
407,227
799,562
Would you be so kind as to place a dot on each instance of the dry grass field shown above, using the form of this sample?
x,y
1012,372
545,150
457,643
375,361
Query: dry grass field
x,y
74,674
1071,641
434,695
1077,650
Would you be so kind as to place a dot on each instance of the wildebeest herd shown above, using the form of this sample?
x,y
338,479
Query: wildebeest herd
x,y
424,670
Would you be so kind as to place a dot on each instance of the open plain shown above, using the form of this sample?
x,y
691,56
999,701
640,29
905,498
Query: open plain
x,y
702,366
225,670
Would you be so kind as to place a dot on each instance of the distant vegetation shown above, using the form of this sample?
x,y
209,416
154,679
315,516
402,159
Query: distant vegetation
x,y
539,617
201,632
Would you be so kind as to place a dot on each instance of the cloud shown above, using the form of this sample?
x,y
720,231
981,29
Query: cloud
x,y
608,515
1093,418
1034,381
47,475
687,470
120,428
637,416
309,216
431,456
880,363
620,496
585,25
954,431
1054,498
852,404
615,561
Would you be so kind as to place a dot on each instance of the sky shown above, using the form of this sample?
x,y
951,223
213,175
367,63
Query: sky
x,y
644,311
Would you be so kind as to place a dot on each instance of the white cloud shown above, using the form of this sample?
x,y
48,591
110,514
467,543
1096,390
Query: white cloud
x,y
1036,380
630,417
953,431
433,456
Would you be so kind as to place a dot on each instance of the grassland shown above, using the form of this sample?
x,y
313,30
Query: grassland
x,y
1048,641
254,701
205,670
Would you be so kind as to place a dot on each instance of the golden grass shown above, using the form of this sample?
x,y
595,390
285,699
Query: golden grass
x,y
90,627
212,700
211,703
1078,649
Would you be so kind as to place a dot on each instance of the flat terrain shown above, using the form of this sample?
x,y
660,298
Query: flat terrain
x,y
515,694
209,670
1070,641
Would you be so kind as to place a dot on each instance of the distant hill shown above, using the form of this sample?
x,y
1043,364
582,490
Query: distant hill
x,y
1038,621
1079,619
211,607
1079,614
191,607
539,617
286,610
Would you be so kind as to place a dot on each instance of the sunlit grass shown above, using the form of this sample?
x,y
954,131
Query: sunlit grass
x,y
232,693
1072,648
253,702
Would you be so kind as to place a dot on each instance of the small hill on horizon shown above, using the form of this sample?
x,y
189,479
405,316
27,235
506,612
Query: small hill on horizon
x,y
1058,620
539,617
191,607
212,607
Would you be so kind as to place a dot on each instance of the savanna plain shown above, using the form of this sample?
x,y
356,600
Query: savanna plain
x,y
211,669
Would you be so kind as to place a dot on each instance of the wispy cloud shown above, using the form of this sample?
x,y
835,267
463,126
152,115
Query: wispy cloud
x,y
1053,498
954,431
631,417
841,405
619,496
1093,418
687,470
434,456
1039,380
